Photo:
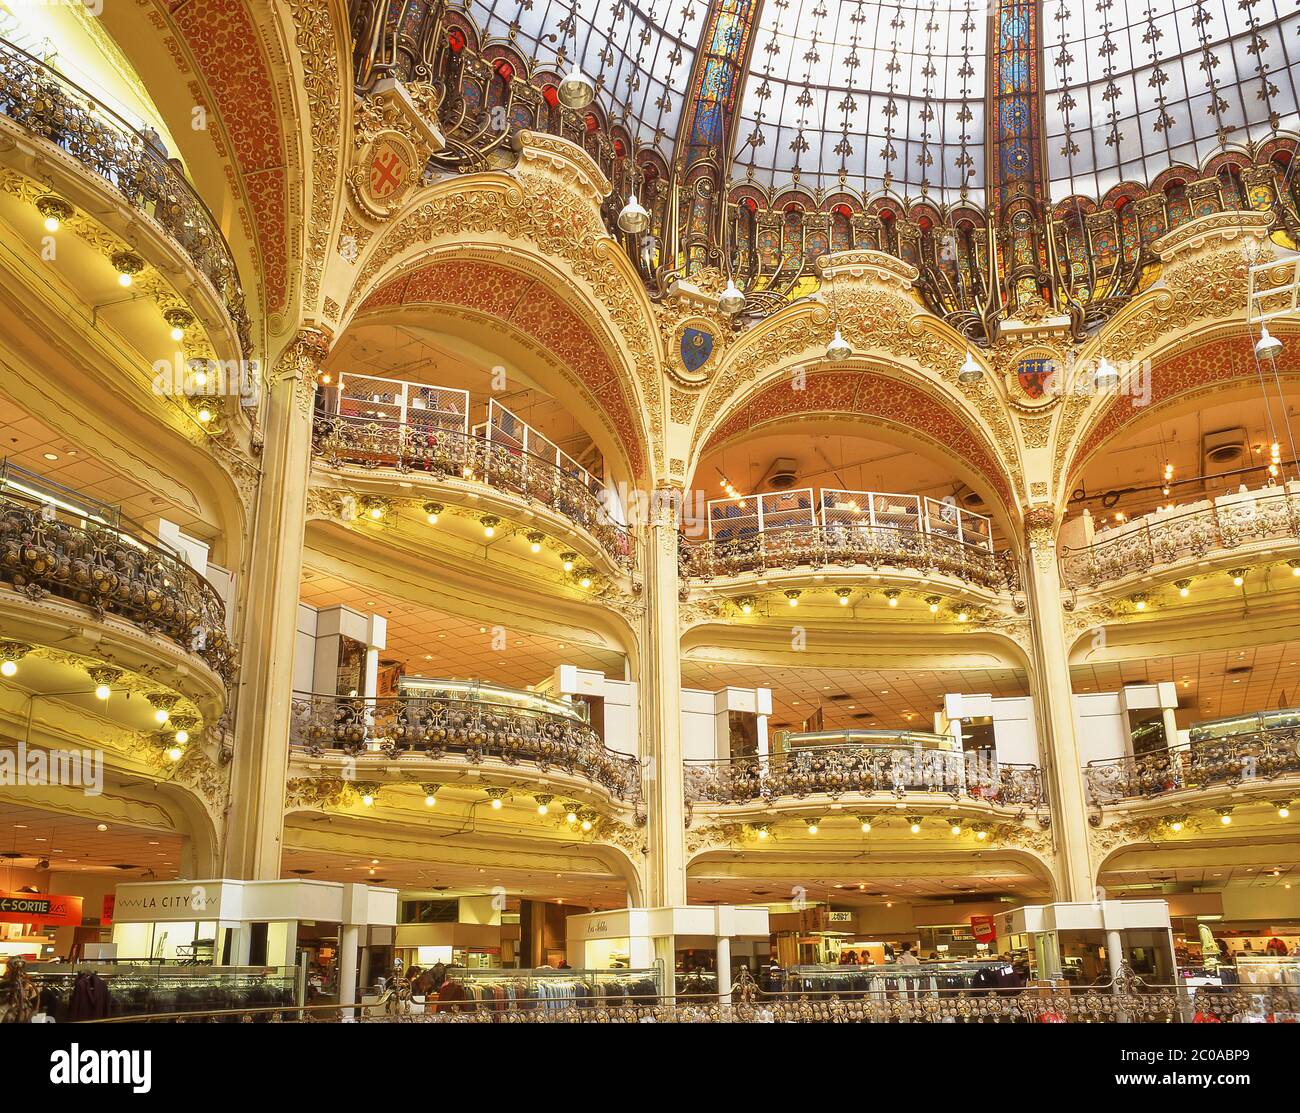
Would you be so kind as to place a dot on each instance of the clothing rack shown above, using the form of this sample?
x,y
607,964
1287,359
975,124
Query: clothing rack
x,y
145,990
547,988
980,976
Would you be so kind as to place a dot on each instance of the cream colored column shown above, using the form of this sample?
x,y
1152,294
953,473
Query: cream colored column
x,y
274,570
661,708
1054,704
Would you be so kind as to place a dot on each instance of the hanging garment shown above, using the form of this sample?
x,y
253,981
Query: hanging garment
x,y
90,998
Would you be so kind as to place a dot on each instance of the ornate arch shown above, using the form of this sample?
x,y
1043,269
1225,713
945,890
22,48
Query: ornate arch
x,y
867,395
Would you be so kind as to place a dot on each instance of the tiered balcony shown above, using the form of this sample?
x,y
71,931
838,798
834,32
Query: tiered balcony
x,y
46,106
444,728
1216,531
899,765
1248,752
419,429
785,531
55,543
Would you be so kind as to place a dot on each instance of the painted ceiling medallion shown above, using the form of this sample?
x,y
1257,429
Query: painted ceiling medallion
x,y
384,174
694,347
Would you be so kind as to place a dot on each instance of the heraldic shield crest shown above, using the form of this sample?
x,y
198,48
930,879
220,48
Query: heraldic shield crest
x,y
696,347
1035,376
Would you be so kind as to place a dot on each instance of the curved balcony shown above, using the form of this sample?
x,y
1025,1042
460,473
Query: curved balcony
x,y
442,729
899,765
1246,759
94,557
1221,526
467,458
848,546
48,106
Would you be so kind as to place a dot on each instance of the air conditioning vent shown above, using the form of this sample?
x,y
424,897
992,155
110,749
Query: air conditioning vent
x,y
1224,450
839,696
864,714
782,474
1237,670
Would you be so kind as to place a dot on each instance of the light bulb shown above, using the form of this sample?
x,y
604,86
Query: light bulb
x,y
430,801
175,753
182,736
585,582
844,600
51,223
1283,812
571,818
1226,820
746,608
956,828
200,378
934,608
812,828
103,691
866,827
123,279
542,809
1238,580
981,835
586,824
204,415
569,559
432,519
1176,826
489,531
8,668
762,832
367,800
161,715
916,828
962,616
376,513
794,600
496,804
893,602
178,334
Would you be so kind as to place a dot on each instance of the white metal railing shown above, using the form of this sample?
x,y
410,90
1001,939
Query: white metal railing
x,y
503,427
842,511
418,406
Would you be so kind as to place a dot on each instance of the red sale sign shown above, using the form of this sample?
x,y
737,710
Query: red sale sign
x,y
982,928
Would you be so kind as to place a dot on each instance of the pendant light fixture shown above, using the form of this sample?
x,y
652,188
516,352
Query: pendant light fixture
x,y
576,89
971,371
838,349
634,218
732,300
1268,345
1106,376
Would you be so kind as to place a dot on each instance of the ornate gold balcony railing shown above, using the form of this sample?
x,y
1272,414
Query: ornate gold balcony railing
x,y
1248,759
110,566
49,106
456,730
873,546
444,453
1161,539
897,771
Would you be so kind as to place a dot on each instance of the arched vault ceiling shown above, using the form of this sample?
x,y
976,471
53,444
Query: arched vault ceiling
x,y
527,306
874,397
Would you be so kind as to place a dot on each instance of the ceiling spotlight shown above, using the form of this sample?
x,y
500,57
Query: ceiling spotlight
x,y
586,581
915,822
588,818
955,826
127,264
1283,809
1140,602
1238,576
1268,346
569,560
981,833
633,218
761,829
865,820
838,349
576,89
793,596
1295,566
104,679
932,601
535,540
732,299
812,826
182,736
1225,815
55,210
490,523
892,595
180,320
431,512
175,753
571,813
962,616
746,604
1176,826
1184,587
843,593
543,803
1106,375
367,799
970,370
163,703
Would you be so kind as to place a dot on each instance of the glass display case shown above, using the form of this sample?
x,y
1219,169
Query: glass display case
x,y
1215,729
791,741
483,692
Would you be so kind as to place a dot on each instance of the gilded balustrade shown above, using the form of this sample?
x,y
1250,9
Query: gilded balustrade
x,y
49,106
836,770
1242,759
112,571
443,453
467,731
1165,538
874,546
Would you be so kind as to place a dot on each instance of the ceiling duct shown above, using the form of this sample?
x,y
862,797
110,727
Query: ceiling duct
x,y
782,475
1223,451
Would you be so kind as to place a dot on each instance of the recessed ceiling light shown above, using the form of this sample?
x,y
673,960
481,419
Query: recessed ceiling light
x,y
51,455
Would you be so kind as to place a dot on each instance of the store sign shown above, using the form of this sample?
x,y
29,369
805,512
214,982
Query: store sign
x,y
106,913
983,928
39,908
183,900
839,917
